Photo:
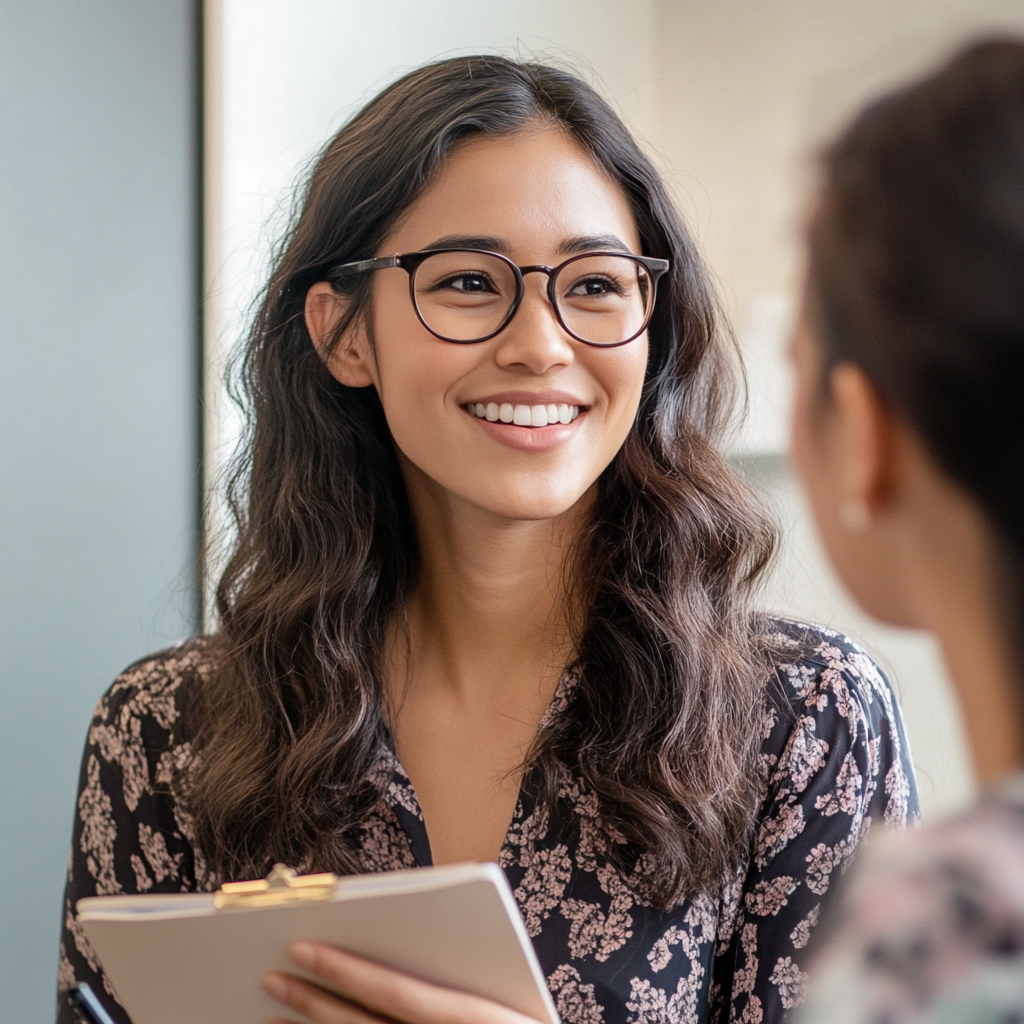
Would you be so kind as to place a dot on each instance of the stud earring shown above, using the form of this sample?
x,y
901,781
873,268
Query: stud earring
x,y
854,515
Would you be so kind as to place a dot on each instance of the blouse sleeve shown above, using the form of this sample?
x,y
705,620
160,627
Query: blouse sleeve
x,y
835,759
129,835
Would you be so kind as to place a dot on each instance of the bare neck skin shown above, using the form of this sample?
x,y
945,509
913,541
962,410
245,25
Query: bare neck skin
x,y
475,664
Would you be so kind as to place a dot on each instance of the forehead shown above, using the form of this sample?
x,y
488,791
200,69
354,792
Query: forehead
x,y
534,189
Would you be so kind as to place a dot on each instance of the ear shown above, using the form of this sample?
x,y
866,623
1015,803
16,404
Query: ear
x,y
351,360
866,436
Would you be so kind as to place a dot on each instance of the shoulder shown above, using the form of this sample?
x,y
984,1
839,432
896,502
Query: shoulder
x,y
819,667
812,660
833,724
155,686
932,920
971,863
139,724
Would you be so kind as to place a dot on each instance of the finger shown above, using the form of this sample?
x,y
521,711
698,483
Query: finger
x,y
318,1005
395,995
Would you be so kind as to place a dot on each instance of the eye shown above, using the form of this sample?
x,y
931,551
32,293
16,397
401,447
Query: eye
x,y
468,282
595,287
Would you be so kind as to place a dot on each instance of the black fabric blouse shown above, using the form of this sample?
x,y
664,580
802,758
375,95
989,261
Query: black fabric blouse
x,y
834,759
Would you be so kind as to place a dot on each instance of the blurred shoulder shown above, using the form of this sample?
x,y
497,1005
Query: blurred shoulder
x,y
931,925
980,849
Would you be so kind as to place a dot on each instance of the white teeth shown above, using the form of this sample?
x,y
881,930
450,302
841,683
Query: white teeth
x,y
524,415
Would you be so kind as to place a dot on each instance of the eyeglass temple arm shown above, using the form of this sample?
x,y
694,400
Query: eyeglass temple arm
x,y
364,266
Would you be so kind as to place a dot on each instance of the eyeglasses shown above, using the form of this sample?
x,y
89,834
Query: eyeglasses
x,y
470,295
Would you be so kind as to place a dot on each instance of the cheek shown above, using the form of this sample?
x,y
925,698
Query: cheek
x,y
817,472
412,365
806,428
620,374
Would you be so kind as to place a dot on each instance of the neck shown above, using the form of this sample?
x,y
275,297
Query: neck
x,y
489,615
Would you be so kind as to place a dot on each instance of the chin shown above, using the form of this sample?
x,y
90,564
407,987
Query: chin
x,y
530,511
528,504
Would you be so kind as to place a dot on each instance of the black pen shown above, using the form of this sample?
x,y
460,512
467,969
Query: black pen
x,y
84,1002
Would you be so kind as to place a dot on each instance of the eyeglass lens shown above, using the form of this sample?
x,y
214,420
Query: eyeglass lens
x,y
466,296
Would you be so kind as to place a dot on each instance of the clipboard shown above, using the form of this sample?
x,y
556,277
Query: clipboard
x,y
199,957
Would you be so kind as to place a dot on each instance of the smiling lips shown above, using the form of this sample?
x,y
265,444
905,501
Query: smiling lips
x,y
523,415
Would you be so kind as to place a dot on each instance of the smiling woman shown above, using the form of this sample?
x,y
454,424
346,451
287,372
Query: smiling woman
x,y
491,598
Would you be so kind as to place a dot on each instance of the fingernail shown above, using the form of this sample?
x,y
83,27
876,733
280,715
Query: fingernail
x,y
303,954
275,986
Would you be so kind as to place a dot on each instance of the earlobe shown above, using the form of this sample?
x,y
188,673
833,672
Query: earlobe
x,y
349,361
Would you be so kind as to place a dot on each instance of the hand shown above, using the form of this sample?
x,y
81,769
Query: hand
x,y
357,991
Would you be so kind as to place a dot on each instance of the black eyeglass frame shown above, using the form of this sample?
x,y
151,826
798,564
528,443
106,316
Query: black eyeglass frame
x,y
410,262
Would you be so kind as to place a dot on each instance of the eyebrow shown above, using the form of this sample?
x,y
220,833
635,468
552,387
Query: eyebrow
x,y
593,243
569,247
471,242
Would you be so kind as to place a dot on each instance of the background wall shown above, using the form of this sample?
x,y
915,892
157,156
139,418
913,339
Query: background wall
x,y
747,92
98,411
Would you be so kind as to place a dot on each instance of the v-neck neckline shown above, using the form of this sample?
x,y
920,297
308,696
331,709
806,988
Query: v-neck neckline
x,y
400,794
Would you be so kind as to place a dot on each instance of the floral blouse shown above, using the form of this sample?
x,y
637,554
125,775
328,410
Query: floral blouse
x,y
931,928
834,759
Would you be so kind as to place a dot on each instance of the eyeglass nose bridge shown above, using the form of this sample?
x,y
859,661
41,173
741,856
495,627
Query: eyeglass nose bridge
x,y
538,268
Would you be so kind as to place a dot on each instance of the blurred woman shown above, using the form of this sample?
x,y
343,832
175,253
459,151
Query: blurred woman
x,y
491,595
909,436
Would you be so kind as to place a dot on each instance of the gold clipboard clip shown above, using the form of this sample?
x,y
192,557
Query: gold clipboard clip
x,y
281,886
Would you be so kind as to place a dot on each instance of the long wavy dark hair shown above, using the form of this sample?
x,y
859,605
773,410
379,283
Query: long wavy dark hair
x,y
665,725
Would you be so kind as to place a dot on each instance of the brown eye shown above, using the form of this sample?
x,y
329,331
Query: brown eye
x,y
467,283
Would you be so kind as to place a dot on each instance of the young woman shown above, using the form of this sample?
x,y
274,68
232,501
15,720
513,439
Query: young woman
x,y
909,438
490,598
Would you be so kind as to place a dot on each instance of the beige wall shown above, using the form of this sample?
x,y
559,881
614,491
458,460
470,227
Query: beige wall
x,y
748,91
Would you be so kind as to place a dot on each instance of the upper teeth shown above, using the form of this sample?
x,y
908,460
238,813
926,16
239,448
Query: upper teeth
x,y
524,415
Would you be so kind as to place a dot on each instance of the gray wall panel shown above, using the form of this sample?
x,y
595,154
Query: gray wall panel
x,y
98,440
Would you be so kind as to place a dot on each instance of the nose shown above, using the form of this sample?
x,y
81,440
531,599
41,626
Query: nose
x,y
534,339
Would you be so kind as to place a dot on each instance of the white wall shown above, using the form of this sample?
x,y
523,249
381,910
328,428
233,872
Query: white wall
x,y
732,97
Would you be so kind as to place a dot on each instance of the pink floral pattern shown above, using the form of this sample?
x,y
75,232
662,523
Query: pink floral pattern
x,y
834,757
